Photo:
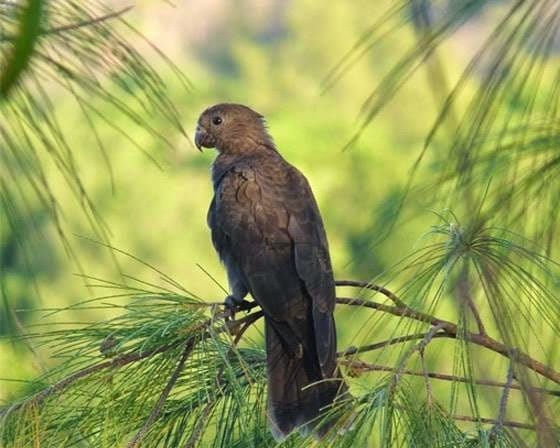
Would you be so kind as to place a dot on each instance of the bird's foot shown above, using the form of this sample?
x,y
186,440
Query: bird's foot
x,y
233,305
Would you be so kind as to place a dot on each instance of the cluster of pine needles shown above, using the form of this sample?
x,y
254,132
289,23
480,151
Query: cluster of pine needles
x,y
173,370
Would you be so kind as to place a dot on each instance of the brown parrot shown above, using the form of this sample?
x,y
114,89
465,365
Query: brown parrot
x,y
268,232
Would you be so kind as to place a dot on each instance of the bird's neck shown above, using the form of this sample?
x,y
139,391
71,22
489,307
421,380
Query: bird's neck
x,y
228,160
245,140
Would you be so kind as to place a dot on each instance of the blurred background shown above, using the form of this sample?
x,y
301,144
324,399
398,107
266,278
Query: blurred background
x,y
274,56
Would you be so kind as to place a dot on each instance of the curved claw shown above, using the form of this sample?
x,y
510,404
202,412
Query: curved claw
x,y
233,304
244,305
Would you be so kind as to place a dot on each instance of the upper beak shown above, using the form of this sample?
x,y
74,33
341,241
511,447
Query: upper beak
x,y
199,137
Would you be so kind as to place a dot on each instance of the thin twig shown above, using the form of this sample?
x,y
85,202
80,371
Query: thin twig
x,y
373,287
428,338
363,366
421,348
203,421
464,292
511,424
477,318
245,323
154,415
451,329
427,382
398,340
504,399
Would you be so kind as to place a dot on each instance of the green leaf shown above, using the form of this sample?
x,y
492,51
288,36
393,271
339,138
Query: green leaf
x,y
23,46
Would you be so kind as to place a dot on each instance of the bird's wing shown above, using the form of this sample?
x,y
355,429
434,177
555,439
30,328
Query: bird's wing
x,y
267,213
313,265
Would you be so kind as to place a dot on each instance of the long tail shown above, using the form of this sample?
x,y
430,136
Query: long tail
x,y
292,402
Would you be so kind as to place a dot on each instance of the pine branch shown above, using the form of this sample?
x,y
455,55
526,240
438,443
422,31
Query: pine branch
x,y
421,347
372,287
451,329
116,363
156,412
398,340
511,424
504,399
223,322
77,25
203,421
358,366
464,291
240,326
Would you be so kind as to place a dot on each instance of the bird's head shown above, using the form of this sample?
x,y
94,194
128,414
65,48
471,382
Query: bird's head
x,y
232,128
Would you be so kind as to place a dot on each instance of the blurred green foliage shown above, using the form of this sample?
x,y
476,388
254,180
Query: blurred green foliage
x,y
154,202
159,215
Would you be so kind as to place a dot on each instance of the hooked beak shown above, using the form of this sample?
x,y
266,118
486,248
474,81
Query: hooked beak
x,y
199,137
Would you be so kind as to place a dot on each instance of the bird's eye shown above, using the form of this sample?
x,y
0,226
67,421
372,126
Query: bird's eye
x,y
217,120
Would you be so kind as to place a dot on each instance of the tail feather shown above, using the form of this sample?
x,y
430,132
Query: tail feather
x,y
294,402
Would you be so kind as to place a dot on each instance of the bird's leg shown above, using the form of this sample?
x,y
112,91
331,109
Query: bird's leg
x,y
234,304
